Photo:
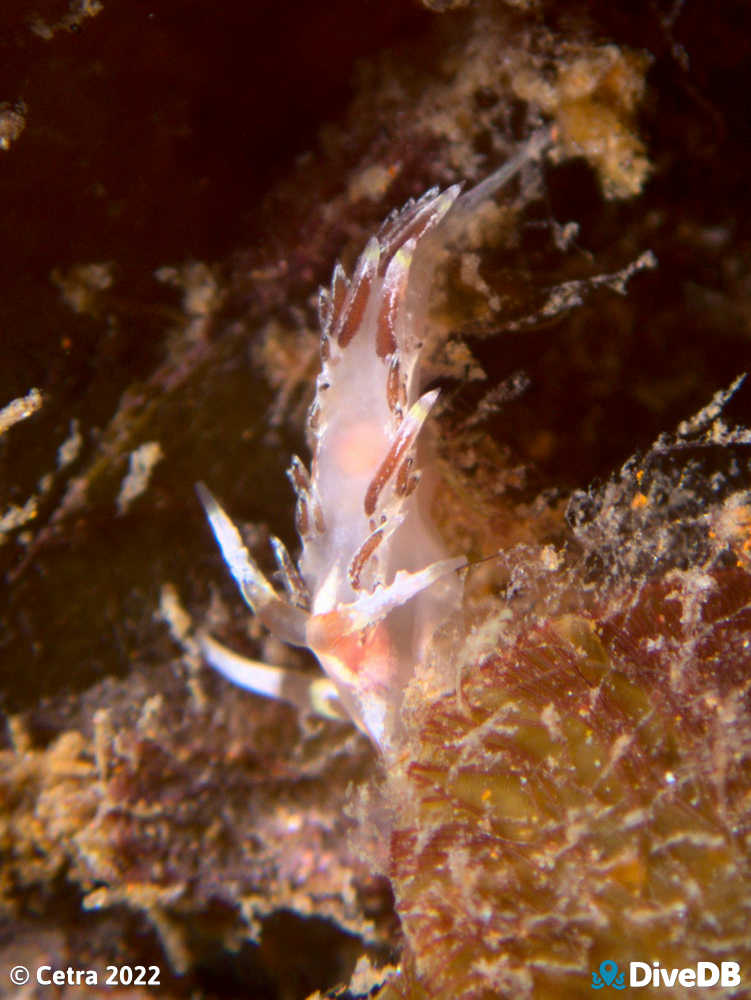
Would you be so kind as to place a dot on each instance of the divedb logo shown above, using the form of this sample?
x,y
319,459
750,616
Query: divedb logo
x,y
641,974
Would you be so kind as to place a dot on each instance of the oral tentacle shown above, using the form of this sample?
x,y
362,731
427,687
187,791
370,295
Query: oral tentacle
x,y
283,619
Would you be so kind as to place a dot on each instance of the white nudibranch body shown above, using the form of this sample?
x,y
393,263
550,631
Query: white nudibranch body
x,y
372,583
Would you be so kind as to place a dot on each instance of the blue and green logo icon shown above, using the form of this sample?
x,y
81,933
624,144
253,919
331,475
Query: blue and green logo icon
x,y
608,976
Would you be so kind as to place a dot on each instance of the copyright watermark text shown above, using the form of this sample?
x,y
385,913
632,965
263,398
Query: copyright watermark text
x,y
113,975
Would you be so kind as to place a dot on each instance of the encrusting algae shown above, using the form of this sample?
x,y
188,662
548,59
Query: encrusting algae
x,y
582,796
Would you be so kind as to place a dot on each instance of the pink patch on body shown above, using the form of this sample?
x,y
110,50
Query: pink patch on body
x,y
367,655
358,448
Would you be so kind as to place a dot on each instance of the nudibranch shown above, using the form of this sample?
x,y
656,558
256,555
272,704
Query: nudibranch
x,y
372,583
